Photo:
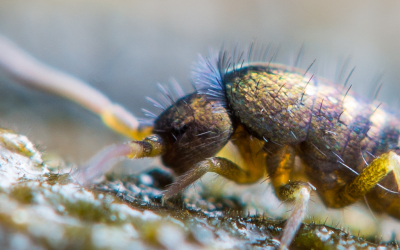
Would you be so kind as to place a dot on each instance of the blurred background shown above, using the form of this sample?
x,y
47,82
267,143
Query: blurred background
x,y
124,48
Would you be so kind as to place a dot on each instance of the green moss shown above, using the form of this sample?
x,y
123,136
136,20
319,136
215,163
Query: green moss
x,y
74,237
148,232
91,212
61,179
78,238
312,236
22,193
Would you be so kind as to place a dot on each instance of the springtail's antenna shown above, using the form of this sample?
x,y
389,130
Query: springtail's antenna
x,y
32,73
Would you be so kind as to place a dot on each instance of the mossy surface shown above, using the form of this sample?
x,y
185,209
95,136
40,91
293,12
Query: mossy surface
x,y
22,193
43,210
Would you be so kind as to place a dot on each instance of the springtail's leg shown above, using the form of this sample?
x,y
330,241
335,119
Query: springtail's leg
x,y
298,193
253,170
280,162
369,178
217,165
33,73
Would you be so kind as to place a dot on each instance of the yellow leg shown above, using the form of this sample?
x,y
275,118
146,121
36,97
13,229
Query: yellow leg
x,y
280,163
217,165
103,161
366,180
249,149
